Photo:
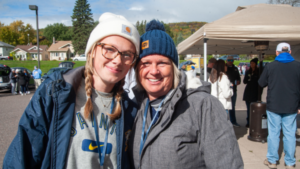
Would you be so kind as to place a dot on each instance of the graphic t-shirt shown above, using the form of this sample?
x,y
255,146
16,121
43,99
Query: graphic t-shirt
x,y
83,148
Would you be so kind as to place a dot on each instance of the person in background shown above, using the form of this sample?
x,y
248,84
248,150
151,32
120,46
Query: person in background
x,y
282,77
183,67
37,74
22,82
244,69
210,66
81,118
221,87
27,79
251,89
176,126
18,88
12,77
235,79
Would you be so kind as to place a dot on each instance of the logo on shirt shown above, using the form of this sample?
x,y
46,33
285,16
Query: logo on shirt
x,y
91,146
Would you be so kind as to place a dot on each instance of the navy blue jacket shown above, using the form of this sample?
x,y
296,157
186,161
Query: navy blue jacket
x,y
44,129
283,81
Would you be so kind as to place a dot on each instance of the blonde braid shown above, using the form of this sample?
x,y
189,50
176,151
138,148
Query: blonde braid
x,y
118,108
89,81
89,89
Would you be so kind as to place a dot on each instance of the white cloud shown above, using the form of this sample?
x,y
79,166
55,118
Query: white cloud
x,y
136,9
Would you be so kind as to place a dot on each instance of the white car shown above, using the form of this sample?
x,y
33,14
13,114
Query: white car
x,y
80,58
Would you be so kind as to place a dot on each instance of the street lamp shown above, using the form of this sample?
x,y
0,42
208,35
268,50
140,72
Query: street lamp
x,y
35,8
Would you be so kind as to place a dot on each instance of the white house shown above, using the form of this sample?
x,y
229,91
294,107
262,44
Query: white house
x,y
5,49
22,50
61,50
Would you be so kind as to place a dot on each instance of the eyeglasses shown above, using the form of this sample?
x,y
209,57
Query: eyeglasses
x,y
111,52
230,60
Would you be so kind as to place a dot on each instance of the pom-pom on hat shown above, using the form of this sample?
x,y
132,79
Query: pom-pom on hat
x,y
111,24
157,41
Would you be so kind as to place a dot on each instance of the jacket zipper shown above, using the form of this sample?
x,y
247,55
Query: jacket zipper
x,y
52,165
156,123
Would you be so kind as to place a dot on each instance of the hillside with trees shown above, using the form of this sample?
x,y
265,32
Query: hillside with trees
x,y
177,31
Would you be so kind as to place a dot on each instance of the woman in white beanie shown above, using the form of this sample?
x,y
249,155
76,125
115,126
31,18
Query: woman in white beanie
x,y
82,118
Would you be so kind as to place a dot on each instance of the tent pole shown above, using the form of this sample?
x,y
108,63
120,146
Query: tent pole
x,y
205,58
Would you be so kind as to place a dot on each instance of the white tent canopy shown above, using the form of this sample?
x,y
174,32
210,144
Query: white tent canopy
x,y
236,32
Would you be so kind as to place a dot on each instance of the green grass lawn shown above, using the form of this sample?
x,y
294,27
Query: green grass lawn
x,y
45,65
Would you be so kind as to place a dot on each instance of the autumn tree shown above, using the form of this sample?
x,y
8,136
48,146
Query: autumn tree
x,y
168,29
83,23
289,2
16,33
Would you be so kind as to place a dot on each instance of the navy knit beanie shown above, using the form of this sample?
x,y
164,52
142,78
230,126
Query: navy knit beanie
x,y
157,41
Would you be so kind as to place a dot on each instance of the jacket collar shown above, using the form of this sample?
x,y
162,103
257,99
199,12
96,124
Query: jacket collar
x,y
284,58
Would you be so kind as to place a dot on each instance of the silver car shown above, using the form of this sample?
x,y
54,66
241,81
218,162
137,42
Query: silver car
x,y
80,58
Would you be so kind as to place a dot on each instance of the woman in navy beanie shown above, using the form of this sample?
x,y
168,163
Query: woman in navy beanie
x,y
176,126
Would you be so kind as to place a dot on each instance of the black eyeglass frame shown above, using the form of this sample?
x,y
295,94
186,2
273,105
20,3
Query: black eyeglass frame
x,y
119,53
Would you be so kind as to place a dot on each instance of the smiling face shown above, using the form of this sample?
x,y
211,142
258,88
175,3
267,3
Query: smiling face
x,y
108,72
156,75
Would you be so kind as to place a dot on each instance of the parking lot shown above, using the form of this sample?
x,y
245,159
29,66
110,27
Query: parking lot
x,y
253,153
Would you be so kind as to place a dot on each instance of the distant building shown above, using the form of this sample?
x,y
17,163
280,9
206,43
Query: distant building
x,y
61,50
21,52
5,49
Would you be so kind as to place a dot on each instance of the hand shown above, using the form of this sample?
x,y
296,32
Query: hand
x,y
238,82
298,111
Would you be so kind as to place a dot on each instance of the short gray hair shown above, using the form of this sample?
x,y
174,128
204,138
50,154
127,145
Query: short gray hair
x,y
176,79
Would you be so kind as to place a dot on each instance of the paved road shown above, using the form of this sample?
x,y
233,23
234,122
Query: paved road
x,y
12,107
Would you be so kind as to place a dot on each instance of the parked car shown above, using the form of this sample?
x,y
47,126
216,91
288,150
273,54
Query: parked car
x,y
6,58
66,64
52,70
80,58
241,64
235,57
4,77
31,81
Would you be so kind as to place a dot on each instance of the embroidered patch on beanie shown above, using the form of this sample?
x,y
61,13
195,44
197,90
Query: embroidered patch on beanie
x,y
126,30
145,44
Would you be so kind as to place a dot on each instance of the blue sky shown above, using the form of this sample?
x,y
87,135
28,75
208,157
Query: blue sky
x,y
60,11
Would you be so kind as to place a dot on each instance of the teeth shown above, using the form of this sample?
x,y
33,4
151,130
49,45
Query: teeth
x,y
154,80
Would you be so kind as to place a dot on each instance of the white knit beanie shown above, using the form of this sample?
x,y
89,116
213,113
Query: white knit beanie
x,y
111,24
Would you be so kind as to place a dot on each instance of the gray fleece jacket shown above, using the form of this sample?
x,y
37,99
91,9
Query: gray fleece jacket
x,y
191,132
